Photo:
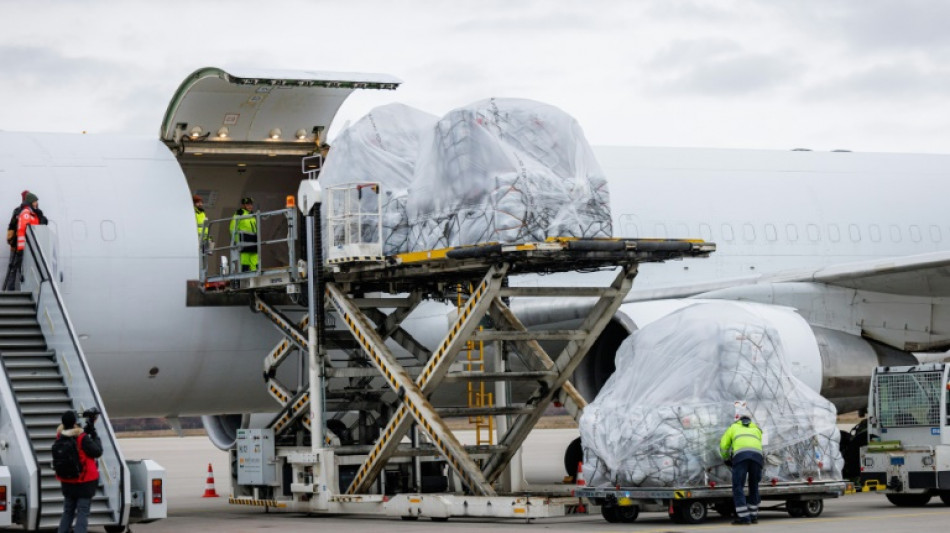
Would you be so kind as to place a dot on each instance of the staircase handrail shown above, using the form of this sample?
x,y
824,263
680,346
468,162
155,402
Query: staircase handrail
x,y
38,279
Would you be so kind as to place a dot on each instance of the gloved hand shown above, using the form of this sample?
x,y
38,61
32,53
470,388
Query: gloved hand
x,y
728,462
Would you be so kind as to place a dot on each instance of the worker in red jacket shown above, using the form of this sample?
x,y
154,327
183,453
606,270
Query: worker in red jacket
x,y
79,491
27,217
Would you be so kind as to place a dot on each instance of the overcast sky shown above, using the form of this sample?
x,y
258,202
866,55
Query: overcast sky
x,y
867,75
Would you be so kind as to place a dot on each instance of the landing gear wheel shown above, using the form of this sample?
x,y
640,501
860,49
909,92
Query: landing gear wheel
x,y
439,518
572,455
115,529
409,518
909,500
692,512
945,497
726,510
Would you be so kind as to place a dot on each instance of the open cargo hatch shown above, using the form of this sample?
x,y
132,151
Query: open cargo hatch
x,y
259,112
243,133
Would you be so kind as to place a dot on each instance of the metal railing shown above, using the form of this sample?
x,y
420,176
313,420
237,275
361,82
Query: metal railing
x,y
61,337
223,263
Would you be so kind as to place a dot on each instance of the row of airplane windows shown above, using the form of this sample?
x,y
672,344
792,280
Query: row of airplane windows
x,y
791,232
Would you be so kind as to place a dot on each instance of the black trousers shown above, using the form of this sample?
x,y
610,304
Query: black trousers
x,y
13,271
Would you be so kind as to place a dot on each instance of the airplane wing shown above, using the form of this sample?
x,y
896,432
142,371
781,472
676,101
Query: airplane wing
x,y
924,275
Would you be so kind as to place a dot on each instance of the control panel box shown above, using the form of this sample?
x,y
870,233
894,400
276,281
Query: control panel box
x,y
256,461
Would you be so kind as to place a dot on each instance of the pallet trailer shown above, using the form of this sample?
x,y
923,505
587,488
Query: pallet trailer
x,y
691,505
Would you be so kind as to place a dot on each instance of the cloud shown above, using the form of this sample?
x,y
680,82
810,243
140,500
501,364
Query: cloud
x,y
902,79
874,24
717,68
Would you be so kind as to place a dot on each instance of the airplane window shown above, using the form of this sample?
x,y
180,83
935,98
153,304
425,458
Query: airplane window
x,y
629,225
727,232
833,233
659,231
748,232
791,232
915,233
875,232
855,232
935,233
705,232
895,234
770,233
79,230
107,230
814,234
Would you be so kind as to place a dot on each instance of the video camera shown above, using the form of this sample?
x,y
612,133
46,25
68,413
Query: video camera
x,y
91,415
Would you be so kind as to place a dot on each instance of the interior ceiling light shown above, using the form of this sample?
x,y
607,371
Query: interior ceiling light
x,y
223,132
275,134
195,132
301,134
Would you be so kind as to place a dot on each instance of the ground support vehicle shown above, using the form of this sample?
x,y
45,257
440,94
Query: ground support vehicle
x,y
908,452
691,505
366,432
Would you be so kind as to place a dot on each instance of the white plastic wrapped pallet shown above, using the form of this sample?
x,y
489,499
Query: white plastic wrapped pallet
x,y
381,147
506,170
658,419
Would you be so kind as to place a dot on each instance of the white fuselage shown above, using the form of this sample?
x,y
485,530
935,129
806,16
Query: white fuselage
x,y
127,245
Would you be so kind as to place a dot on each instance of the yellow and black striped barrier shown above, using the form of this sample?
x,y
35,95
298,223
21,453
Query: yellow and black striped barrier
x,y
257,503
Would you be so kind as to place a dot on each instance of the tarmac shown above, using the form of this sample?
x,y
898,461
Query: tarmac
x,y
186,462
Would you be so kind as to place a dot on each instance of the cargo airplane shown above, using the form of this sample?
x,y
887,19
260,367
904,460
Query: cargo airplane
x,y
849,253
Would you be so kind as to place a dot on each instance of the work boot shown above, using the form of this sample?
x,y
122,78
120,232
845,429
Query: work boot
x,y
755,519
741,522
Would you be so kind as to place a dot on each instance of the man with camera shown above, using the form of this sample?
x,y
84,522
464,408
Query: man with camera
x,y
74,459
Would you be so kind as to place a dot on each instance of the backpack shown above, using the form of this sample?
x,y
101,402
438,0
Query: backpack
x,y
66,461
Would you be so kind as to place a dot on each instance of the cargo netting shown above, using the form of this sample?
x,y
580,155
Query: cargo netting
x,y
682,381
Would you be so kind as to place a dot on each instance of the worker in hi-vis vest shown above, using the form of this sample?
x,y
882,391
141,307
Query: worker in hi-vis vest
x,y
741,448
243,230
200,218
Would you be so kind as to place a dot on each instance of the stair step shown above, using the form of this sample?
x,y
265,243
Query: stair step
x,y
16,298
38,387
95,519
29,330
34,374
43,420
8,344
9,356
25,363
43,435
24,321
49,398
52,409
9,311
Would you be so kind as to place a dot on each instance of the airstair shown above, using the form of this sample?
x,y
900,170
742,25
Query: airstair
x,y
44,374
368,431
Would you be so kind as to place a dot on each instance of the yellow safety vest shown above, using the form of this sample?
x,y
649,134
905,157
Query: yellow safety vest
x,y
740,438
200,218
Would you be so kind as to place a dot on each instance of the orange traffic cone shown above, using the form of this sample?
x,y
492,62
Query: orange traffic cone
x,y
580,474
209,486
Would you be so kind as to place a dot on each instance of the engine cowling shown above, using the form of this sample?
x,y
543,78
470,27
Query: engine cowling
x,y
834,363
223,429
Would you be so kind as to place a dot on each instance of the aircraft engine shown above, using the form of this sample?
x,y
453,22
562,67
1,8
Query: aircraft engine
x,y
222,429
